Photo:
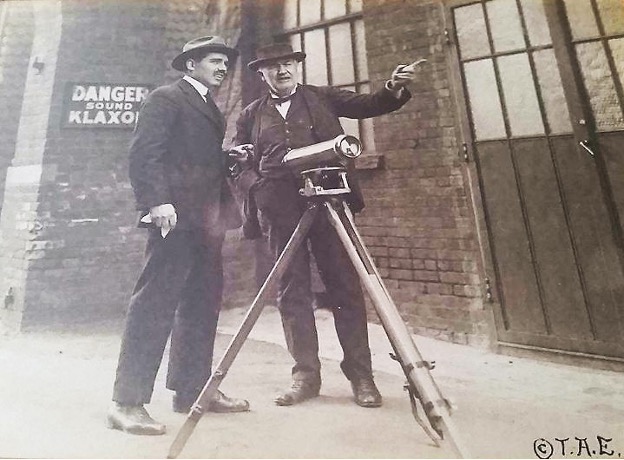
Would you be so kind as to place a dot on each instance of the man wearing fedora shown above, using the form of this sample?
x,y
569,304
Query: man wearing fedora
x,y
292,116
177,170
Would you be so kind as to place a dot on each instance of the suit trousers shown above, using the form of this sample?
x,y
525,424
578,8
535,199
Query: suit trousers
x,y
178,293
281,207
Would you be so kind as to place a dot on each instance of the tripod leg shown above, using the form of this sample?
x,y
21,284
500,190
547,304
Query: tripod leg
x,y
299,235
416,369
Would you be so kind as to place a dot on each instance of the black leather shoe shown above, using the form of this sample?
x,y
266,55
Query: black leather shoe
x,y
222,404
300,390
134,420
182,403
366,393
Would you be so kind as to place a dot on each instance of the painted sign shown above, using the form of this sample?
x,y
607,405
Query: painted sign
x,y
103,105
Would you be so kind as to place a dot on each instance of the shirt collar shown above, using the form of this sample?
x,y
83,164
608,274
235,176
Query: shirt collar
x,y
275,96
199,86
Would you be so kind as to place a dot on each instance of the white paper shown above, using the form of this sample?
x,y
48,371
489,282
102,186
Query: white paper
x,y
147,219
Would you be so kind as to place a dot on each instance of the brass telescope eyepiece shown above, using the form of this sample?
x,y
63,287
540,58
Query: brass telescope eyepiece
x,y
340,149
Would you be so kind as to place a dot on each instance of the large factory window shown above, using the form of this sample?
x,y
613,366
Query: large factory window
x,y
331,33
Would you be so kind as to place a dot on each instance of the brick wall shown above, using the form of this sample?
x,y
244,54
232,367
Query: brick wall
x,y
16,34
88,250
69,238
418,222
83,250
225,18
19,223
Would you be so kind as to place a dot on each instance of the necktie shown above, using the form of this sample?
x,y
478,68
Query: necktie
x,y
281,100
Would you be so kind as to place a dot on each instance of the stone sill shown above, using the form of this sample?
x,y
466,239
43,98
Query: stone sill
x,y
370,161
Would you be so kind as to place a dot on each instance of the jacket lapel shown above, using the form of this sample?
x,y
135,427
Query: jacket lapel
x,y
209,108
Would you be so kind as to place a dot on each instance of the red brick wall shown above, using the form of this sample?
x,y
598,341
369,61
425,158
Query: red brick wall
x,y
83,261
418,222
83,251
16,40
89,250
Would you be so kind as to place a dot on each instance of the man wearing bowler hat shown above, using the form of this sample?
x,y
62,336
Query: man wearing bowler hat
x,y
292,116
177,170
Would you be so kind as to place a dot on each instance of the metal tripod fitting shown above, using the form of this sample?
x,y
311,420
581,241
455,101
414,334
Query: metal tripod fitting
x,y
419,377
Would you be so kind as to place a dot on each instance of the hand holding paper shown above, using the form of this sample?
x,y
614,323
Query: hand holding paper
x,y
241,152
163,216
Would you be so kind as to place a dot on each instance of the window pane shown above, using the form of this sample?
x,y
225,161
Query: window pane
x,y
581,18
334,8
617,49
351,126
367,135
341,54
600,87
310,11
360,51
290,14
612,15
504,20
471,34
355,6
485,105
295,41
316,60
520,95
536,23
552,92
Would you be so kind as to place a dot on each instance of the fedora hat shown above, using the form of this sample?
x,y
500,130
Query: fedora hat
x,y
274,52
209,43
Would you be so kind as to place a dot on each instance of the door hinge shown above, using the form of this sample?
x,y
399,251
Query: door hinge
x,y
447,37
464,153
488,290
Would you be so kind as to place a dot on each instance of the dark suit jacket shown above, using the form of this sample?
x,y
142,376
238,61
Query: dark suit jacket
x,y
326,104
176,157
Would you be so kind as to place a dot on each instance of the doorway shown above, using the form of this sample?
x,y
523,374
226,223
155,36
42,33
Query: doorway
x,y
542,84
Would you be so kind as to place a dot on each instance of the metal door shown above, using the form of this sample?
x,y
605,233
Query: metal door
x,y
543,95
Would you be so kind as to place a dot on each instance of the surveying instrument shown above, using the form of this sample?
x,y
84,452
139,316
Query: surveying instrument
x,y
325,187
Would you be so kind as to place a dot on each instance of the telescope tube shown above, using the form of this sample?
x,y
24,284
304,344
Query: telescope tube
x,y
341,148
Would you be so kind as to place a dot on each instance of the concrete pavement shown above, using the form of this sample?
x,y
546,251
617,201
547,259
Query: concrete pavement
x,y
55,391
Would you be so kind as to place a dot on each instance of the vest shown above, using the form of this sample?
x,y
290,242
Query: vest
x,y
277,136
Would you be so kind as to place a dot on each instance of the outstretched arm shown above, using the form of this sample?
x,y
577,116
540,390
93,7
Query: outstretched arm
x,y
391,97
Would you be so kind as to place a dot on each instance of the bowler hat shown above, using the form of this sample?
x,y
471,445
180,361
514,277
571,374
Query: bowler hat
x,y
211,43
275,52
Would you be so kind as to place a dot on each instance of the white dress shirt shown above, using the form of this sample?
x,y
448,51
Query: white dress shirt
x,y
283,107
199,86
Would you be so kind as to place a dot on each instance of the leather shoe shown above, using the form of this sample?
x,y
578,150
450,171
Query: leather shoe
x,y
182,403
133,420
222,404
366,393
299,391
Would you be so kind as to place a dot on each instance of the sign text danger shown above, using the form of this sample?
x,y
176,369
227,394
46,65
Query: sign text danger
x,y
103,105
